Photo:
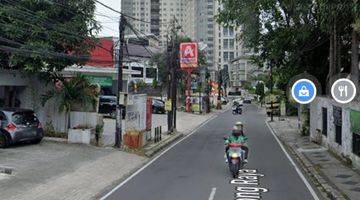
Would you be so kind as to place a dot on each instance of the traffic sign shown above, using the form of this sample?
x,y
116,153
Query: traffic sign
x,y
188,55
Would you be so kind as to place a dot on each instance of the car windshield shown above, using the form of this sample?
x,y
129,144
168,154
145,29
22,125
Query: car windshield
x,y
26,118
107,100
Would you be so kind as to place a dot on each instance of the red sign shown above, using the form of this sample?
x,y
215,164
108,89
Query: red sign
x,y
188,55
148,114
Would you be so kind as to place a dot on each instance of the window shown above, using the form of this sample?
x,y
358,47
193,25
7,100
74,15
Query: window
x,y
337,113
231,43
231,55
324,121
3,120
225,31
231,31
356,144
226,44
226,56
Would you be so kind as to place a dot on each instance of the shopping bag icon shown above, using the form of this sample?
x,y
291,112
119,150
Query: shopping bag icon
x,y
304,92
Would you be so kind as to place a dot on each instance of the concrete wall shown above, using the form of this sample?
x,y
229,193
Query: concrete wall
x,y
345,149
136,113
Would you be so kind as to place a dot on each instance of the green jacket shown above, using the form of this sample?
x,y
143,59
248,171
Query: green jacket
x,y
233,139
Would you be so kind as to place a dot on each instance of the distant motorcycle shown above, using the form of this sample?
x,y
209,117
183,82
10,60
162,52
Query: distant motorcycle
x,y
237,110
235,158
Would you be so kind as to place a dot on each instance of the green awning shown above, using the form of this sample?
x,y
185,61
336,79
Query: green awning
x,y
355,121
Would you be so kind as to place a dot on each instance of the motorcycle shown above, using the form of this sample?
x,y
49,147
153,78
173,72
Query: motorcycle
x,y
235,158
237,110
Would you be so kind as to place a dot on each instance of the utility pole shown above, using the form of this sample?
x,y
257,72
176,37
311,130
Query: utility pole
x,y
119,107
172,81
219,90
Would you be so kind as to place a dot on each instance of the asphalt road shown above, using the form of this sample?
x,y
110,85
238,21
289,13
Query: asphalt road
x,y
195,170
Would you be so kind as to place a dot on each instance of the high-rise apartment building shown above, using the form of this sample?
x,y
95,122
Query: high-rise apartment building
x,y
142,10
199,24
197,19
227,47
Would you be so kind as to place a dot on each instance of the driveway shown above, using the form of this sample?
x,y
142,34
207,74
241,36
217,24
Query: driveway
x,y
62,171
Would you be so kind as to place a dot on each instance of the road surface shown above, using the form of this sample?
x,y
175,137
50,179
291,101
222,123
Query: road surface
x,y
194,169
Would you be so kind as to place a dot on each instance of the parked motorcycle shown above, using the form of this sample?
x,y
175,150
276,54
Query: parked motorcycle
x,y
235,158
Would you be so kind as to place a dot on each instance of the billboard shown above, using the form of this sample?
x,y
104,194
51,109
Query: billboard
x,y
188,55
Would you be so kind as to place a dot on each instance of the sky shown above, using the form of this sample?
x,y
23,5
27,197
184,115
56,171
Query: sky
x,y
109,22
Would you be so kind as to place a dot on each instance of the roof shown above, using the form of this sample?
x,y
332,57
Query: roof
x,y
15,110
135,50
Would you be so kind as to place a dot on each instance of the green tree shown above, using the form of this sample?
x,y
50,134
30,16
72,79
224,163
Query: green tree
x,y
77,93
259,90
296,35
46,35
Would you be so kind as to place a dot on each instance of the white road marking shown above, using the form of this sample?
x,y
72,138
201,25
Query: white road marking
x,y
311,190
157,157
212,194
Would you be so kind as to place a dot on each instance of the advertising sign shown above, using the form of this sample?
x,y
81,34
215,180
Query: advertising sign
x,y
188,55
105,81
168,105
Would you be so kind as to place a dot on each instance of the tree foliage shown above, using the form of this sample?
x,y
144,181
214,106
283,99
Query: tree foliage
x,y
46,35
69,93
294,35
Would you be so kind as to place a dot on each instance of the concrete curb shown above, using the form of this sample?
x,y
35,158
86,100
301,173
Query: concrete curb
x,y
315,175
163,144
53,139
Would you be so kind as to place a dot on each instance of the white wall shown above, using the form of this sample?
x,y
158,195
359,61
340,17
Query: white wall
x,y
316,123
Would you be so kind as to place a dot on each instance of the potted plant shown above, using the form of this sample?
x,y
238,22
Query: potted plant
x,y
69,94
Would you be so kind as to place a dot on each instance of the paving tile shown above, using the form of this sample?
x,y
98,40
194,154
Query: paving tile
x,y
350,183
357,189
343,176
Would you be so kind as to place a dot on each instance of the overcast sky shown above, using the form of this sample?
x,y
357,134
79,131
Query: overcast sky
x,y
109,22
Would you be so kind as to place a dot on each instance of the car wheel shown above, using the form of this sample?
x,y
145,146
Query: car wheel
x,y
37,141
4,142
113,114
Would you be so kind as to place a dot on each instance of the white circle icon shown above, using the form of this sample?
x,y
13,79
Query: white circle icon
x,y
343,90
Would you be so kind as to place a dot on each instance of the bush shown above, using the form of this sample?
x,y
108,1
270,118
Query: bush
x,y
49,131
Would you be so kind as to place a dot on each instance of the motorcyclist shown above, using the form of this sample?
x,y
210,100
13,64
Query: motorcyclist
x,y
237,136
240,126
237,108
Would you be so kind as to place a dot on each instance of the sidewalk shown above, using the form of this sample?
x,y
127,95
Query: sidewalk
x,y
330,174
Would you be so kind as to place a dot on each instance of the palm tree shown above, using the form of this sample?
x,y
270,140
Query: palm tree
x,y
69,94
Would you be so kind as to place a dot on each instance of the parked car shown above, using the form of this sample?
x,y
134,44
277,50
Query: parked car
x,y
238,102
18,125
158,106
247,101
107,105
